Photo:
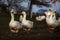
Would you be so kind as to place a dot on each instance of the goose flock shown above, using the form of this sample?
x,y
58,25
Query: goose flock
x,y
27,25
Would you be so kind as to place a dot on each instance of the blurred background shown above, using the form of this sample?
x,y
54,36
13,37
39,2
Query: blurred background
x,y
33,6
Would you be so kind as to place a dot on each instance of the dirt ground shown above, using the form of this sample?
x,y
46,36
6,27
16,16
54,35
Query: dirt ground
x,y
39,31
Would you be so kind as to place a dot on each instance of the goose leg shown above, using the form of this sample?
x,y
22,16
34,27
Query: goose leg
x,y
51,30
29,29
11,29
24,29
14,30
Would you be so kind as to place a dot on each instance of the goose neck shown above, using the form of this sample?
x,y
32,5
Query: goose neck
x,y
24,16
12,16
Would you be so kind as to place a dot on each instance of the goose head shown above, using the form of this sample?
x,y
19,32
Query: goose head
x,y
12,10
24,15
49,13
23,12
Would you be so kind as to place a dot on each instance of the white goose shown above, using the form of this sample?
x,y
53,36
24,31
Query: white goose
x,y
51,20
40,18
14,25
26,23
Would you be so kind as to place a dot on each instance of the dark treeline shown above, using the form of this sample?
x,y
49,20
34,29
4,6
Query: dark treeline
x,y
10,3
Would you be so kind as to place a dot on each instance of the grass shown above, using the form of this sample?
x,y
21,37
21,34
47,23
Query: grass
x,y
4,19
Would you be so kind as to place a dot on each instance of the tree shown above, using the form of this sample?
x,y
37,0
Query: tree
x,y
37,3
